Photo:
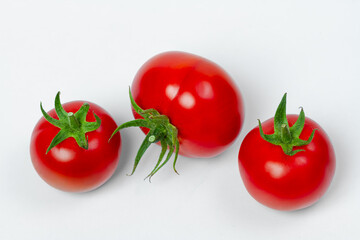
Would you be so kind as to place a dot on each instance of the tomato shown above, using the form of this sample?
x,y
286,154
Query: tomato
x,y
198,97
287,181
68,166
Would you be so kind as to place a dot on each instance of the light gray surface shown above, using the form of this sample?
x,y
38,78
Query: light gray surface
x,y
92,49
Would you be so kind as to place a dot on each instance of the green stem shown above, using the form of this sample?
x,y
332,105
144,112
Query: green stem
x,y
285,133
160,130
152,138
70,124
285,136
73,122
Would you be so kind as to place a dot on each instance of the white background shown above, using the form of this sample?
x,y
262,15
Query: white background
x,y
91,50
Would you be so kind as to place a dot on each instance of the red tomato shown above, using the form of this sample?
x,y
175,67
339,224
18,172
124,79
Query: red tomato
x,y
69,167
285,182
199,98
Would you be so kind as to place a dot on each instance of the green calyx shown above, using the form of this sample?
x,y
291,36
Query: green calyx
x,y
71,124
160,130
285,136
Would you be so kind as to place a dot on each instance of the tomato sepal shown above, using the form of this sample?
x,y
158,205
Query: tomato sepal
x,y
160,130
71,124
285,136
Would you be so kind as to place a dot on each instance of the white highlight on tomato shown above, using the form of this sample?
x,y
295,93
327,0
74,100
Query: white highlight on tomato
x,y
187,100
94,143
276,170
301,161
62,154
205,90
171,91
311,146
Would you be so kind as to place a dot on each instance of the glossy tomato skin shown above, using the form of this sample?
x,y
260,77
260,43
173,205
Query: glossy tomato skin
x,y
287,182
69,167
197,95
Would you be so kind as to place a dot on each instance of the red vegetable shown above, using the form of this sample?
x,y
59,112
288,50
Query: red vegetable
x,y
197,110
70,151
288,162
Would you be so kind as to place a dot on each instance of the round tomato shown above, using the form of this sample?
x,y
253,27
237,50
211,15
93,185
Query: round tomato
x,y
70,161
195,96
287,173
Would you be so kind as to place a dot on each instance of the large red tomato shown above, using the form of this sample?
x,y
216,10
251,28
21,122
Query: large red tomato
x,y
292,180
75,165
199,98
